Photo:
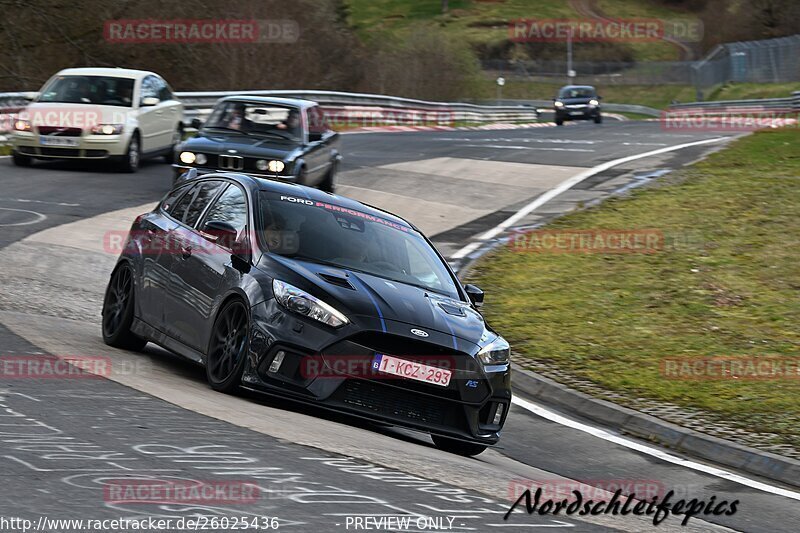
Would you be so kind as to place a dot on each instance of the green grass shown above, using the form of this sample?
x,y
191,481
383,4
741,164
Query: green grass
x,y
733,289
476,22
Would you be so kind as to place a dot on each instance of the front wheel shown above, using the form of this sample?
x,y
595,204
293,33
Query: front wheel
x,y
458,447
22,160
598,119
130,161
118,311
227,349
559,121
328,184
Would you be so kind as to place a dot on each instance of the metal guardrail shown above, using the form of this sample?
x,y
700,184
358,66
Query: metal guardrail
x,y
791,103
607,106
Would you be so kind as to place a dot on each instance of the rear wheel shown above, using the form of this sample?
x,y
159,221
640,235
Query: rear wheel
x,y
118,311
177,137
227,349
22,160
458,447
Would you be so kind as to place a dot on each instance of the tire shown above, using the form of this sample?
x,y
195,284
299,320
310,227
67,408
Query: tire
x,y
227,348
458,447
559,121
21,160
118,305
177,138
130,161
328,184
598,119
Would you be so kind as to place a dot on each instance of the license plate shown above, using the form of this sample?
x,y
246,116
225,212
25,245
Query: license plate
x,y
411,370
58,141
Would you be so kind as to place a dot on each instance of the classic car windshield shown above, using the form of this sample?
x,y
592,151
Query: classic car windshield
x,y
257,119
347,238
100,90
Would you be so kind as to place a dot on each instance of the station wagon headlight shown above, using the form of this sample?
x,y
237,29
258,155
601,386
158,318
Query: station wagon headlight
x,y
559,104
593,102
108,129
302,303
496,352
188,158
22,125
276,166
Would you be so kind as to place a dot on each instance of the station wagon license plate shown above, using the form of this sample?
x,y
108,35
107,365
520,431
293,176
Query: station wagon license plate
x,y
411,370
59,141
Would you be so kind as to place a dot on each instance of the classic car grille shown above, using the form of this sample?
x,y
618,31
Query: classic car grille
x,y
60,132
231,162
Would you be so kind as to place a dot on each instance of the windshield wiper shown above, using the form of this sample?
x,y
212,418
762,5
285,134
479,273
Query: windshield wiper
x,y
277,134
226,129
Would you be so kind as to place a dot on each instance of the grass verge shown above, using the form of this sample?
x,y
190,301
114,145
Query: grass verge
x,y
729,286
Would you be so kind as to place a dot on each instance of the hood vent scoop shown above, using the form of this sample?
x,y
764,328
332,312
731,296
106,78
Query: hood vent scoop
x,y
336,280
452,309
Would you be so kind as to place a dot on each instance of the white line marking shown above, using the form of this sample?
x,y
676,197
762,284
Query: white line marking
x,y
649,450
512,147
26,201
566,185
39,217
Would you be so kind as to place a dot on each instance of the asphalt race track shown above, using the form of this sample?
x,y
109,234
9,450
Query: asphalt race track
x,y
155,418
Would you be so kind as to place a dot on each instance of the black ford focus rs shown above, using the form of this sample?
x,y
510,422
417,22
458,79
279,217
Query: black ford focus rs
x,y
292,291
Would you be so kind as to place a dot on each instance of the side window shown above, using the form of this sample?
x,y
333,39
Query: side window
x,y
149,87
169,200
317,123
230,207
164,92
191,205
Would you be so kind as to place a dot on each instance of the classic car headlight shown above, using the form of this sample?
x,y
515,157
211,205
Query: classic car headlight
x,y
201,159
188,158
261,164
559,104
22,125
496,352
593,102
302,303
276,166
108,129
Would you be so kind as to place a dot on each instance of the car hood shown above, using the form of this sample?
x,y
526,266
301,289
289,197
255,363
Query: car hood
x,y
262,147
573,101
376,303
82,116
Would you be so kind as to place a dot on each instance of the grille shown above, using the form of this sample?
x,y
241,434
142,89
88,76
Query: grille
x,y
393,402
231,162
56,131
60,152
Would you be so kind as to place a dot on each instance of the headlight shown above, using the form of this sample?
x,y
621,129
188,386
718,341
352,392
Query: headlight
x,y
22,125
108,129
201,159
188,158
261,164
276,166
302,303
559,104
593,102
496,352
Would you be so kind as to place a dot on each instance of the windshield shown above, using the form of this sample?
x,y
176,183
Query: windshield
x,y
577,92
99,90
257,119
325,233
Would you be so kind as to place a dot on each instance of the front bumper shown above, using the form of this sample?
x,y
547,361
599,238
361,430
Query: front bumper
x,y
577,113
85,147
180,169
342,380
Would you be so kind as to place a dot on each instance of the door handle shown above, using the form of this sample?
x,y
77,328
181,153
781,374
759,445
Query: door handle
x,y
186,252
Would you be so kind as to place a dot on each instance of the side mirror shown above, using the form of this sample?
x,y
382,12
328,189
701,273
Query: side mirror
x,y
150,101
474,294
223,233
197,123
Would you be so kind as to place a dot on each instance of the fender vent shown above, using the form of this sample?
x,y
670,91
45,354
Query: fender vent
x,y
336,280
